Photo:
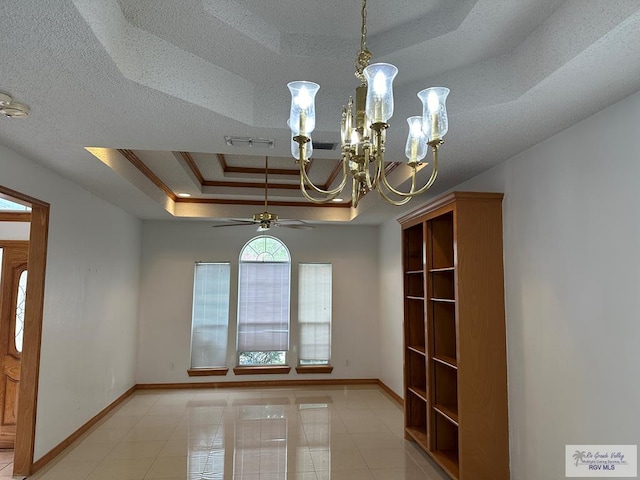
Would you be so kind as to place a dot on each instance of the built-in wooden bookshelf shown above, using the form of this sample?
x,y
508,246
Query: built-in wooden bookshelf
x,y
455,371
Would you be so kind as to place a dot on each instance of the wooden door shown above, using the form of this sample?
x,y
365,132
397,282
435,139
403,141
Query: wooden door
x,y
12,300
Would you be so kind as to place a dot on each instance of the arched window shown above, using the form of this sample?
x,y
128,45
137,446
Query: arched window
x,y
264,281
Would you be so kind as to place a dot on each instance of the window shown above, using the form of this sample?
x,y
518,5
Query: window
x,y
263,302
18,328
8,205
210,318
314,313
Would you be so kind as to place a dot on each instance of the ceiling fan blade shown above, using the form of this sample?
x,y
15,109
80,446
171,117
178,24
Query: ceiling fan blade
x,y
291,221
297,227
234,222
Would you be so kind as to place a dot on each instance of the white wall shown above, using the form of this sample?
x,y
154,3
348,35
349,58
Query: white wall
x,y
169,252
572,277
391,306
90,305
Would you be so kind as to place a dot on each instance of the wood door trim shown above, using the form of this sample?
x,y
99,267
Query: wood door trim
x,y
30,370
15,216
13,243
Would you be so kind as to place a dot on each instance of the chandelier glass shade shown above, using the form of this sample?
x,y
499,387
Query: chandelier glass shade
x,y
363,132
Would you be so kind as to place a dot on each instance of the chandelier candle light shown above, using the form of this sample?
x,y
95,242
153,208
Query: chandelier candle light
x,y
363,131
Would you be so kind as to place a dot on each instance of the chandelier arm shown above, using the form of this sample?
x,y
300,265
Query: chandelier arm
x,y
332,193
315,200
306,195
395,203
304,179
413,192
355,193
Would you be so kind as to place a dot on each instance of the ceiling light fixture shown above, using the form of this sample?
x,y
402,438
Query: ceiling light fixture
x,y
363,130
11,109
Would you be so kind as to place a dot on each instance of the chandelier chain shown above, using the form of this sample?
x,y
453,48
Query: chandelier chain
x,y
364,55
363,31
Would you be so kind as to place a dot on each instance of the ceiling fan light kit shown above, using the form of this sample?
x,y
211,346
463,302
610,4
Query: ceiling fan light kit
x,y
363,131
11,109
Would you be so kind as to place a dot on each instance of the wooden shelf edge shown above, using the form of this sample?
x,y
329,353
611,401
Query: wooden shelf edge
x,y
414,272
418,392
448,413
421,350
418,435
442,269
445,360
413,297
443,300
448,460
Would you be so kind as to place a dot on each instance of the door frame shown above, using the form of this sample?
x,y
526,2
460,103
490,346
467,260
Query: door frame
x,y
30,369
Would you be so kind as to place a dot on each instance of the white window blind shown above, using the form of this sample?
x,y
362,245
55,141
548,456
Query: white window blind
x,y
314,312
263,307
210,317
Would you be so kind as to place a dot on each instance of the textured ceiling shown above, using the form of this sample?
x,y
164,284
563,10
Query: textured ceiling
x,y
161,79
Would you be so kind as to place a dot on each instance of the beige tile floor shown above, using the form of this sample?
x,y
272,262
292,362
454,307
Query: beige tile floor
x,y
332,433
6,464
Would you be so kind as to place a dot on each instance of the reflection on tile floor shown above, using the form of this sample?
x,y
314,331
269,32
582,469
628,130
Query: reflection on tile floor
x,y
327,433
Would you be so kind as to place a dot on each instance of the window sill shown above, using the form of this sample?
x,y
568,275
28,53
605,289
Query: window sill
x,y
207,372
270,370
314,369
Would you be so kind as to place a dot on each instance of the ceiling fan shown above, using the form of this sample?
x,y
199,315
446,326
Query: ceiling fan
x,y
266,220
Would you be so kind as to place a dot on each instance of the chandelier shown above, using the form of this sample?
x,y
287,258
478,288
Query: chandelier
x,y
363,131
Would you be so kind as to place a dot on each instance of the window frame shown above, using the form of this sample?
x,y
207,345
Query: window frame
x,y
206,370
325,367
249,254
